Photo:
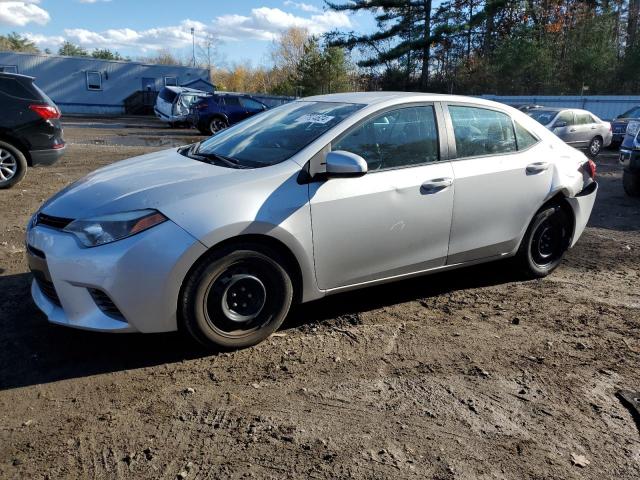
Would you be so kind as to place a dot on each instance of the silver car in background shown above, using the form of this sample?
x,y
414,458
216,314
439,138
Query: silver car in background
x,y
317,196
578,128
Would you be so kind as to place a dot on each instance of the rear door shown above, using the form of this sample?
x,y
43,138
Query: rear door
x,y
585,129
501,178
234,110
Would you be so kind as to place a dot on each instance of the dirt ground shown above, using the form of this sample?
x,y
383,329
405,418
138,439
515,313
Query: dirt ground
x,y
463,375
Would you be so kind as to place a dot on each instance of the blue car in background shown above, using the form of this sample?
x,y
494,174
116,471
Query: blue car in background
x,y
222,110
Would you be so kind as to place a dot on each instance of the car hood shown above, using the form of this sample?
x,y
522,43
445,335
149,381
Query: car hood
x,y
158,180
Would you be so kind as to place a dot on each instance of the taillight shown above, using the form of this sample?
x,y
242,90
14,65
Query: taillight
x,y
47,112
590,168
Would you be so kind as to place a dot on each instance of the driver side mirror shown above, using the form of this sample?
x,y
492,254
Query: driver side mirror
x,y
560,124
342,164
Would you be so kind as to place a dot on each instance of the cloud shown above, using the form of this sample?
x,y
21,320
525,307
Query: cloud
x,y
261,24
93,1
266,23
305,7
19,14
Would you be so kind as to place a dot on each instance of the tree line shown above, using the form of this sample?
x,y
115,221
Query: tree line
x,y
508,47
498,46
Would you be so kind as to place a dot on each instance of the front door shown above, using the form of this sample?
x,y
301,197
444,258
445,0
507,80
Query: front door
x,y
396,218
501,179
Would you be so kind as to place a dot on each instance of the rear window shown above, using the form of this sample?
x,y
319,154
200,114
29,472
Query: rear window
x,y
167,95
15,88
43,95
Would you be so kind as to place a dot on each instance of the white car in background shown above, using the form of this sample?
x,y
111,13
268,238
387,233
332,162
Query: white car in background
x,y
173,104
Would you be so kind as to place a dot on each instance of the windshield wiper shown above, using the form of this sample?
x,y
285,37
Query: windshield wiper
x,y
228,161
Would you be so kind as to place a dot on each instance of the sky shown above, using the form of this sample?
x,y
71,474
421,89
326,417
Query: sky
x,y
243,30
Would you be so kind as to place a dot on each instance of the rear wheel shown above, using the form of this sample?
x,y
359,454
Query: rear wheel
x,y
595,146
13,165
237,297
631,183
217,124
546,242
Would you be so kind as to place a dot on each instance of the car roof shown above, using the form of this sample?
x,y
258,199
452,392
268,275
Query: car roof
x,y
185,90
373,98
16,75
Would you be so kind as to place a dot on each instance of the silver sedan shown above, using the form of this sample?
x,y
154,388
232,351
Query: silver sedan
x,y
579,128
318,196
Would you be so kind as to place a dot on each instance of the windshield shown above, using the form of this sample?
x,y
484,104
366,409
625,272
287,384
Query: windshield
x,y
633,113
543,116
167,95
275,135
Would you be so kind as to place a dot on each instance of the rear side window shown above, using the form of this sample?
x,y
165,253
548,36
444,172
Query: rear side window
x,y
229,100
250,104
480,131
583,118
398,138
524,138
167,95
14,88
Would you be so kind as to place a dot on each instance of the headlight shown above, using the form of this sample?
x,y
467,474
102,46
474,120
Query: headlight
x,y
98,231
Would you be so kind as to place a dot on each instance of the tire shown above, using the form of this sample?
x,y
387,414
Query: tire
x,y
631,183
236,297
216,124
13,165
545,242
595,146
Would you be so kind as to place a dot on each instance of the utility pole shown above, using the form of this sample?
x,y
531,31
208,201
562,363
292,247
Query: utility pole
x,y
193,39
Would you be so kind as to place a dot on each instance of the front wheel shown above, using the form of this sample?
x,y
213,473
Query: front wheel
x,y
546,242
237,297
631,183
595,146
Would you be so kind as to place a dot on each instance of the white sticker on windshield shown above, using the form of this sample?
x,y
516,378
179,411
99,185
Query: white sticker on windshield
x,y
315,118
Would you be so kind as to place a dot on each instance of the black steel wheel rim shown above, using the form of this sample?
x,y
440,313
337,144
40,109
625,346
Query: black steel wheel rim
x,y
243,298
548,241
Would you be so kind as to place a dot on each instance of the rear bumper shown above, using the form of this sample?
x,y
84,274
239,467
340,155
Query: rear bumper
x,y
630,160
582,205
46,157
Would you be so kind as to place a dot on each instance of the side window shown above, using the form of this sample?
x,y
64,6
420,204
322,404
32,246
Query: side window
x,y
9,68
14,88
94,81
250,104
232,101
524,138
583,118
480,131
170,81
566,116
398,138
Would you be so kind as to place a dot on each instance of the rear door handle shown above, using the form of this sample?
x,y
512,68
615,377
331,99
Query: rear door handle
x,y
436,185
537,167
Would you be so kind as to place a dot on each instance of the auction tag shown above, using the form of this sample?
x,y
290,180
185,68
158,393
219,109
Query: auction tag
x,y
315,118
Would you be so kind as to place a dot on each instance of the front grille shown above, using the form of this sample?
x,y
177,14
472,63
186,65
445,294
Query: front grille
x,y
105,304
54,222
47,288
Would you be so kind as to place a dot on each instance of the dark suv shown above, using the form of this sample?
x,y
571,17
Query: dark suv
x,y
30,130
619,125
222,110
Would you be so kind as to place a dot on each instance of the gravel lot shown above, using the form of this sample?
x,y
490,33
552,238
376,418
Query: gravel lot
x,y
463,375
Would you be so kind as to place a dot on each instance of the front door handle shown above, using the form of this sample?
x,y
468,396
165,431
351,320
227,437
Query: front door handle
x,y
537,167
572,129
436,185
